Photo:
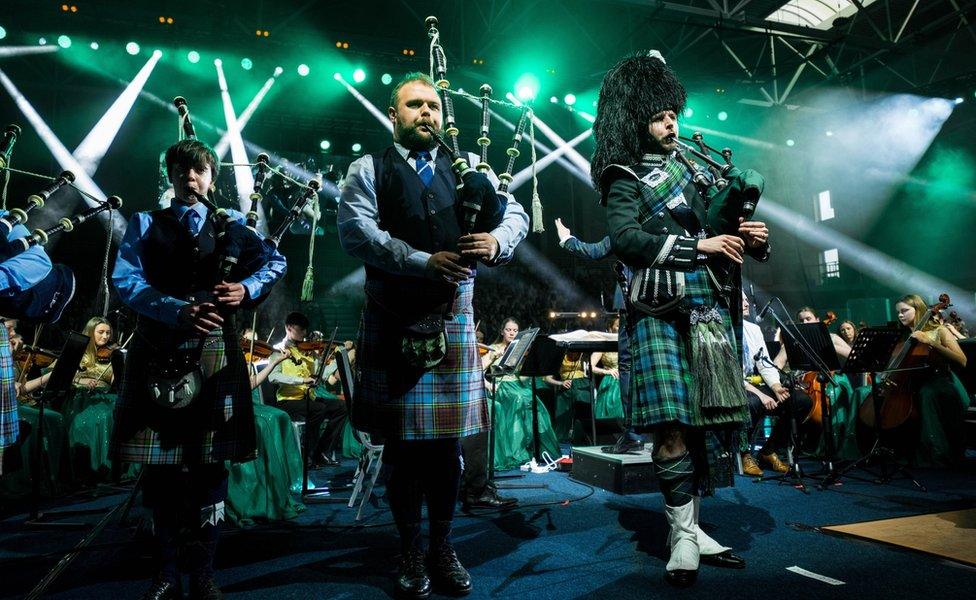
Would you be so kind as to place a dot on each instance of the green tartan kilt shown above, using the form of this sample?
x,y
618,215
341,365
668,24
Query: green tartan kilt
x,y
662,376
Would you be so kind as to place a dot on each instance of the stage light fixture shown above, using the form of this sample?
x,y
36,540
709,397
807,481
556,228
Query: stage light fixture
x,y
93,45
526,87
357,147
829,133
303,69
324,145
569,99
790,143
359,76
3,32
387,79
688,112
246,64
132,48
218,62
278,71
405,52
958,100
41,41
193,56
337,76
64,41
723,116
342,45
554,100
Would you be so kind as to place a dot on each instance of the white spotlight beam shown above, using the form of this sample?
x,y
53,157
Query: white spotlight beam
x,y
242,175
526,173
865,259
61,153
91,150
380,115
6,51
574,157
224,143
741,139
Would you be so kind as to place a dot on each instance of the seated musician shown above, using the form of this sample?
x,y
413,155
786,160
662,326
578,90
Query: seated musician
x,y
847,332
939,396
606,366
295,378
767,398
808,315
571,387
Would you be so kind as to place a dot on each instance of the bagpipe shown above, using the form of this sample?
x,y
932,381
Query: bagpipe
x,y
45,301
240,249
728,193
481,206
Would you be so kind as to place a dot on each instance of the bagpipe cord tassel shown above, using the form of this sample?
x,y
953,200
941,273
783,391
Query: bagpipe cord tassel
x,y
308,284
717,372
537,224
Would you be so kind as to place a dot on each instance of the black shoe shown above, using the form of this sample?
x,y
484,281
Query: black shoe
x,y
446,572
412,580
204,588
321,460
681,578
488,499
163,590
726,559
624,445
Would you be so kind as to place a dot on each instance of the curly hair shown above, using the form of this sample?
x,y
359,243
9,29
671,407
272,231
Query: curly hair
x,y
633,91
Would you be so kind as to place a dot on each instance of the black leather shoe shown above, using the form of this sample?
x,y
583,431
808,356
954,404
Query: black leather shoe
x,y
447,573
412,580
163,590
488,499
681,578
726,559
204,589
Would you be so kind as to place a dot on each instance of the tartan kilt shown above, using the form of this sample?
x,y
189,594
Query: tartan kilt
x,y
217,426
8,394
662,376
399,402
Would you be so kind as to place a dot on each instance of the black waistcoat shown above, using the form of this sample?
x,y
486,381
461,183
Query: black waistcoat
x,y
176,263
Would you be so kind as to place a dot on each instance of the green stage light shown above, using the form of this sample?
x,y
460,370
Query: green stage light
x,y
790,143
41,42
357,147
278,71
132,48
303,69
359,76
337,76
526,87
3,33
569,99
723,116
64,41
93,45
218,62
193,56
246,64
688,112
554,100
959,100
325,145
387,79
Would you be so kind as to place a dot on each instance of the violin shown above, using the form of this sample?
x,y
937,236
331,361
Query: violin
x,y
483,349
311,347
256,349
28,355
103,354
894,389
829,318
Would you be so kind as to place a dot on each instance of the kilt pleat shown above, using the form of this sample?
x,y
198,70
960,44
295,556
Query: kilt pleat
x,y
8,393
217,426
397,401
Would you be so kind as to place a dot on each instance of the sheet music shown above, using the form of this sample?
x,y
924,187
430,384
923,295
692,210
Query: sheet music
x,y
582,335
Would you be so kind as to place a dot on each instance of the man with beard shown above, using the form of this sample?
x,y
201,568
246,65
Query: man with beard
x,y
419,384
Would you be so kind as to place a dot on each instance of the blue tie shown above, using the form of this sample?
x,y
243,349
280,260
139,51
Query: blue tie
x,y
193,222
425,170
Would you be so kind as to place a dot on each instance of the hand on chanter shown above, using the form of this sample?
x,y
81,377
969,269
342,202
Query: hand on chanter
x,y
729,246
201,317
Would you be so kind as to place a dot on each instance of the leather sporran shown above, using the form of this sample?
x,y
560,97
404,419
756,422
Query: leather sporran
x,y
175,381
424,343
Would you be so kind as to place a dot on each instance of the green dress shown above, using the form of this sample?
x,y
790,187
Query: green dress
x,y
608,403
263,489
512,421
89,415
571,369
17,483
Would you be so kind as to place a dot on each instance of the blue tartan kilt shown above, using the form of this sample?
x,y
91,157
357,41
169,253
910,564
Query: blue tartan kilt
x,y
8,394
217,426
400,402
662,376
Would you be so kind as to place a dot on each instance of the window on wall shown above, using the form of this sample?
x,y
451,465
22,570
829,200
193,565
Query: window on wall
x,y
829,264
824,209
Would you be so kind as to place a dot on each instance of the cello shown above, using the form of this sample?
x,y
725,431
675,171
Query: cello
x,y
816,389
894,389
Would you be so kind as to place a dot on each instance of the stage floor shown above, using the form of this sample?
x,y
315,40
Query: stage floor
x,y
566,541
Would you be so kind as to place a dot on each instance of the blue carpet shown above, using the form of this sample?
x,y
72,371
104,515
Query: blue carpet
x,y
566,541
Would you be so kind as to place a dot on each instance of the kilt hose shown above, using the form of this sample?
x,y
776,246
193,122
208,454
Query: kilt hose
x,y
401,402
217,426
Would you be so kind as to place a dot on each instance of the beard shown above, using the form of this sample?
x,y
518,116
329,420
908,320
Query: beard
x,y
410,136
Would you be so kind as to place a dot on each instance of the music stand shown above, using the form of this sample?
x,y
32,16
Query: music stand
x,y
57,387
542,359
808,348
871,352
511,363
